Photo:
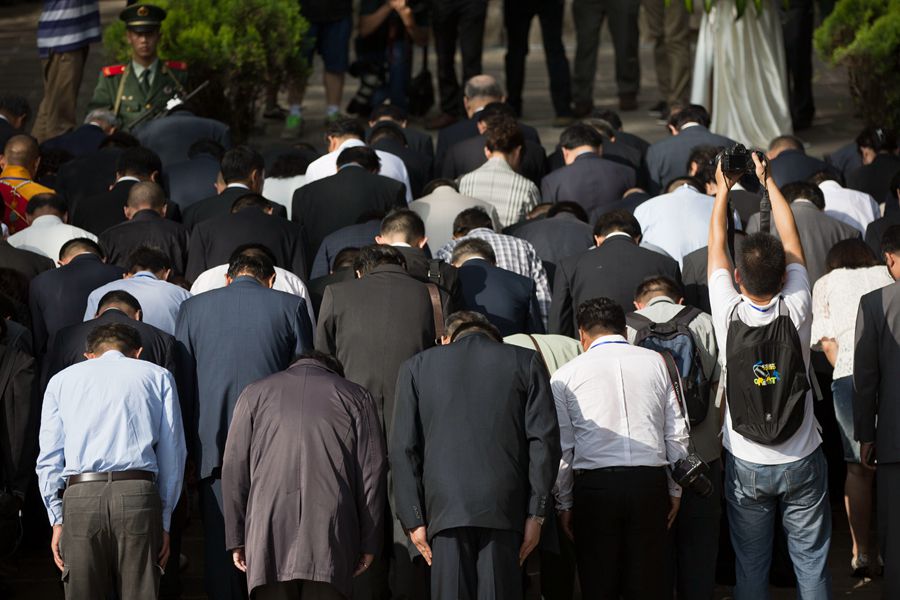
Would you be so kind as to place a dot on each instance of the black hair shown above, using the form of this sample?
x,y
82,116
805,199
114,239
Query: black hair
x,y
240,162
81,244
580,134
406,222
692,113
469,320
802,190
572,208
821,177
387,130
390,111
890,240
124,338
119,297
252,249
256,265
291,163
15,105
51,201
850,254
471,218
375,255
761,263
704,157
608,115
150,259
894,186
617,220
206,146
436,183
879,139
503,134
494,109
474,247
345,128
138,162
250,200
600,315
363,156
346,258
658,285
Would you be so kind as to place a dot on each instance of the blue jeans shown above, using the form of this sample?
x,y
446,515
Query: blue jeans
x,y
842,392
754,493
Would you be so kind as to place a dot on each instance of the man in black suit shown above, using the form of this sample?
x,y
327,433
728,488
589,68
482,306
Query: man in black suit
x,y
250,222
788,161
485,509
480,91
93,173
878,149
590,180
417,140
352,236
172,135
563,232
875,230
390,137
28,263
507,299
189,181
100,212
232,336
341,270
146,226
467,155
613,270
14,113
98,124
57,298
326,205
798,23
243,171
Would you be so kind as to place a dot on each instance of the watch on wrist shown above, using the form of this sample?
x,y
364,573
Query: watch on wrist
x,y
537,519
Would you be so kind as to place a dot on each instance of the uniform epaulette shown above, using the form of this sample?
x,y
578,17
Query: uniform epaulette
x,y
113,70
178,65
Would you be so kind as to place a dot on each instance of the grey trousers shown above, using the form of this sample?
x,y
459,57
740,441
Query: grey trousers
x,y
670,29
474,563
111,538
888,475
623,24
297,589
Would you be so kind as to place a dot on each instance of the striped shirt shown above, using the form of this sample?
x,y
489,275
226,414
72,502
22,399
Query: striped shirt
x,y
67,25
497,183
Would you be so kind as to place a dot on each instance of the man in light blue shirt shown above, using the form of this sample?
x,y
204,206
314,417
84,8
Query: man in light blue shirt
x,y
148,269
111,436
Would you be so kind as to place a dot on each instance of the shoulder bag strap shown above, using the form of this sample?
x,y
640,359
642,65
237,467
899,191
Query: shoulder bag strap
x,y
540,352
437,311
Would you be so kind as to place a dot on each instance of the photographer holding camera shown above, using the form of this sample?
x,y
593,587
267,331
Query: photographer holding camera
x,y
621,428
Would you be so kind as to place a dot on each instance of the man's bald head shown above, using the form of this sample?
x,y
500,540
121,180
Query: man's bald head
x,y
480,91
22,151
145,195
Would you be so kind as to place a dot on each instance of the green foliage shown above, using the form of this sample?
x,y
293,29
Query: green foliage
x,y
240,46
864,36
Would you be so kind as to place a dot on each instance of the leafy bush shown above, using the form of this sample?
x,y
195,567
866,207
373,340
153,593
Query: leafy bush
x,y
240,46
864,36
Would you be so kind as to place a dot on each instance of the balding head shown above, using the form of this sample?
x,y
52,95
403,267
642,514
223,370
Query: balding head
x,y
782,143
480,91
145,195
22,151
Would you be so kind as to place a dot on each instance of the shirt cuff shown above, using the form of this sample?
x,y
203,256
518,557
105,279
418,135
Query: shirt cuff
x,y
166,520
54,511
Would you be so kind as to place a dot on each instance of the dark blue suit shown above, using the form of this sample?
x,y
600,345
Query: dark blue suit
x,y
668,158
507,299
78,142
233,336
192,180
794,165
593,182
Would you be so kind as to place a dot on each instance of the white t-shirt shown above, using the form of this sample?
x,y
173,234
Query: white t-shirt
x,y
798,302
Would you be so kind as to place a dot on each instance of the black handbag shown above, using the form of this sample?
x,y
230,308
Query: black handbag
x,y
421,89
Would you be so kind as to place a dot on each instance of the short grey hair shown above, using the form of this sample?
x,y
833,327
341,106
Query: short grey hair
x,y
105,115
483,86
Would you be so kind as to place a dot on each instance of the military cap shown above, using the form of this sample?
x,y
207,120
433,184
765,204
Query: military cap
x,y
143,17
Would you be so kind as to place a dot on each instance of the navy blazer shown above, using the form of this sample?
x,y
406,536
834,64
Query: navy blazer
x,y
794,165
593,182
507,299
78,142
232,337
465,129
192,180
668,158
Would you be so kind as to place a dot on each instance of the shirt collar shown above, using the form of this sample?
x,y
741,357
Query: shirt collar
x,y
400,245
127,178
687,187
351,143
146,274
660,300
689,125
830,184
237,185
608,339
617,234
139,69
111,354
47,221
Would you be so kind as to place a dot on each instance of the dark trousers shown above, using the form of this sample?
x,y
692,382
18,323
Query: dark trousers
x,y
888,475
558,570
517,17
694,540
221,579
457,21
623,25
474,563
112,535
798,28
620,532
297,589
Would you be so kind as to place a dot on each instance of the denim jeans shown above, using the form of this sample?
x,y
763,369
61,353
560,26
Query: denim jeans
x,y
754,494
842,392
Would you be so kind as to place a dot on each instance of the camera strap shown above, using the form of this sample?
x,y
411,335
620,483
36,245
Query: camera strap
x,y
765,205
675,377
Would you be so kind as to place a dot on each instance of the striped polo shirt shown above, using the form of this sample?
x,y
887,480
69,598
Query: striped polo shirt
x,y
67,25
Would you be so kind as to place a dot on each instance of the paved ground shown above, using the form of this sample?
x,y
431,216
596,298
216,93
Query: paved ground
x,y
32,574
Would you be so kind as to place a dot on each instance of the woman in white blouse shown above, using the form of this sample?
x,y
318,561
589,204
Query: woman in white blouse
x,y
852,271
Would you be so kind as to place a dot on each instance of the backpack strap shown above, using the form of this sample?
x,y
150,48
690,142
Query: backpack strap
x,y
686,315
638,321
675,378
540,352
434,271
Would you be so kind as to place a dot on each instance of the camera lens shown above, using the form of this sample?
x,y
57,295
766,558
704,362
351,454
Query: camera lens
x,y
702,486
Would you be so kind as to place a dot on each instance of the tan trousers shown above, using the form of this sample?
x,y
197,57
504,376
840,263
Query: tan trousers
x,y
668,27
62,79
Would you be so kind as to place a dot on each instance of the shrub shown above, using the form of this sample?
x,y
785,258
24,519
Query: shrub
x,y
240,46
864,36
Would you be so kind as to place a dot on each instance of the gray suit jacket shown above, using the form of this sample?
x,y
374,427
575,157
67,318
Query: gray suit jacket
x,y
875,374
171,137
668,158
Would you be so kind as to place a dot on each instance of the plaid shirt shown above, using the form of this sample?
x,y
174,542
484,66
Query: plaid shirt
x,y
513,254
497,183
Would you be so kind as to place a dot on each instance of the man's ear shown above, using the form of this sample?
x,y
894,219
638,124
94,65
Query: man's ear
x,y
672,130
165,209
598,239
139,351
270,282
381,241
89,355
679,301
154,176
422,242
139,316
487,153
637,305
445,339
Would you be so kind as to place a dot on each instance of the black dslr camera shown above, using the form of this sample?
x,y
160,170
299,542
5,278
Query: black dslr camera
x,y
690,473
737,161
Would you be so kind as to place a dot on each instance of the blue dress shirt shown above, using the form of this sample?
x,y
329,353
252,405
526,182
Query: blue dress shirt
x,y
160,300
111,413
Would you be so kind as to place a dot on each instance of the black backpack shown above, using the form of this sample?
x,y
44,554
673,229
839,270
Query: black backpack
x,y
675,338
766,378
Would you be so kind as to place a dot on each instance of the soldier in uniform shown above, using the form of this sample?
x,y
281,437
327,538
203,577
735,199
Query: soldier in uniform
x,y
145,83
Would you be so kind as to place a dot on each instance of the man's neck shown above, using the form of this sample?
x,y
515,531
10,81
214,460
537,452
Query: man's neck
x,y
144,62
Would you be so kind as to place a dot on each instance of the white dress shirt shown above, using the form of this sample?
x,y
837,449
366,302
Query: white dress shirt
x,y
281,190
856,209
160,300
616,408
46,235
285,281
391,166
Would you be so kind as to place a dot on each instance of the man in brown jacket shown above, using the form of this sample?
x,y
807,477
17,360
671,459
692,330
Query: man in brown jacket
x,y
303,482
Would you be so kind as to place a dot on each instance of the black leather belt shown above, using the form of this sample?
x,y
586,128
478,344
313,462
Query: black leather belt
x,y
110,477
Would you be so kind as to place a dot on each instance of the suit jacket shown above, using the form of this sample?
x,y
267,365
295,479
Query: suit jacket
x,y
326,205
555,238
845,159
794,165
146,228
668,158
875,374
191,180
58,298
78,142
418,166
818,233
875,179
217,206
446,276
232,337
19,415
693,274
593,182
316,287
467,155
351,236
468,128
171,136
372,349
213,241
500,398
420,142
745,203
28,263
305,465
875,231
88,176
612,270
617,152
507,299
99,212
